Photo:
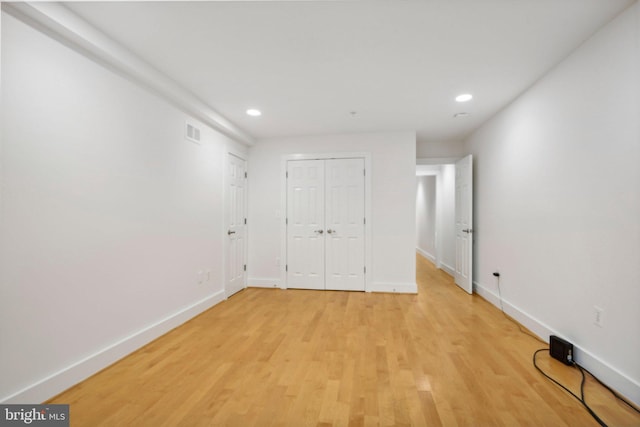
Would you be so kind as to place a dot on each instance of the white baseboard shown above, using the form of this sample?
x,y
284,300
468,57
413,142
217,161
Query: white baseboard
x,y
427,255
254,282
398,288
60,381
611,376
486,294
447,268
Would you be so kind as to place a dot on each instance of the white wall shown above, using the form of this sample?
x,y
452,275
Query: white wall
x,y
426,216
437,149
557,203
393,203
447,218
108,214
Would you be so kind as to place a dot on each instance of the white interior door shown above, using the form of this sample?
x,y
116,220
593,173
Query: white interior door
x,y
344,223
236,225
305,224
464,224
326,224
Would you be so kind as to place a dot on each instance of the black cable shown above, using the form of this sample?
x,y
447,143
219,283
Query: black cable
x,y
582,369
583,400
535,364
620,398
579,399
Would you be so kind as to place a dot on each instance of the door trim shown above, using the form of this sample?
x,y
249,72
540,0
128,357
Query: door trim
x,y
282,214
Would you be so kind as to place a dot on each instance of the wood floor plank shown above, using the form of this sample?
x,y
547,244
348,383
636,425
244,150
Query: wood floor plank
x,y
313,358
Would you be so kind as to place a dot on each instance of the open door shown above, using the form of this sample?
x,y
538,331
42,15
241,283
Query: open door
x,y
236,269
464,224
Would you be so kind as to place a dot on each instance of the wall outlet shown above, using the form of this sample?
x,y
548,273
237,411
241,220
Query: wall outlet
x,y
598,314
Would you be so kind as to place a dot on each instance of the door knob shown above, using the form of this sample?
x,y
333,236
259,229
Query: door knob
x,y
229,233
467,230
319,231
330,231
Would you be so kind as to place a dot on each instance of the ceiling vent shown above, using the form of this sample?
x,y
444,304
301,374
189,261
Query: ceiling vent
x,y
192,133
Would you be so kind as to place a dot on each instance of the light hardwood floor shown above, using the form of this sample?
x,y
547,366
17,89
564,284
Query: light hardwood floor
x,y
318,358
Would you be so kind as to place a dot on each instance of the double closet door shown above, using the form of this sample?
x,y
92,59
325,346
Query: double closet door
x,y
326,224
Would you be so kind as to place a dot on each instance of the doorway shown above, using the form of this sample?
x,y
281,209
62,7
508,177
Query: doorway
x,y
435,214
444,216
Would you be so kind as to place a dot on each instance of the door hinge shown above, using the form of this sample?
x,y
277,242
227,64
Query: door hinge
x,y
364,172
245,174
245,267
364,221
286,174
365,269
286,267
245,221
286,221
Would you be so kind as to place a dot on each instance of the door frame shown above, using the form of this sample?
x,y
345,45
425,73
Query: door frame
x,y
225,222
282,214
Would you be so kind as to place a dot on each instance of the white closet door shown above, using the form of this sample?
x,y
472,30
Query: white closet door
x,y
344,209
305,224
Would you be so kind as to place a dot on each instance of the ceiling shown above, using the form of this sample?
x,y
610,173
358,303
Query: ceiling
x,y
319,67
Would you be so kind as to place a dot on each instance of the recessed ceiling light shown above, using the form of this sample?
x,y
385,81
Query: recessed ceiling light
x,y
253,112
460,115
464,97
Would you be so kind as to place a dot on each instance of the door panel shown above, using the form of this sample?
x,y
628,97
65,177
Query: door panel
x,y
236,228
305,227
464,224
345,224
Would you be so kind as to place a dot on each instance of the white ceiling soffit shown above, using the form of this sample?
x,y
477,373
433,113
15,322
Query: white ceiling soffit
x,y
66,26
318,67
427,170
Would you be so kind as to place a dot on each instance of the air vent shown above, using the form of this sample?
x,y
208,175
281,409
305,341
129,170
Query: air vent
x,y
192,133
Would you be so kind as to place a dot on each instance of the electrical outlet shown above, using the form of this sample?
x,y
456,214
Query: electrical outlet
x,y
598,314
